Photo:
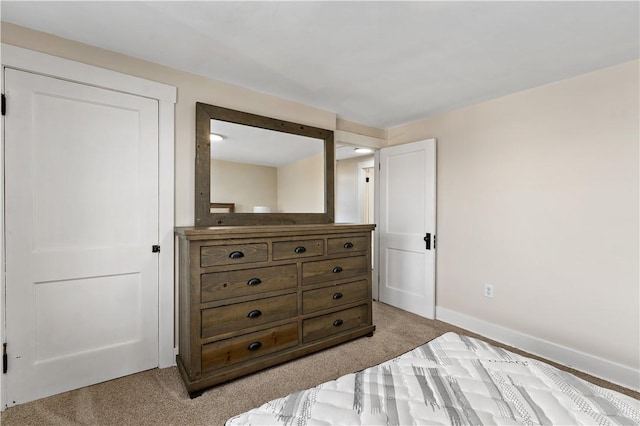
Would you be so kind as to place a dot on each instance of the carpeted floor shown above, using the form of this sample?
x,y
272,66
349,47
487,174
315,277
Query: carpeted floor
x,y
157,397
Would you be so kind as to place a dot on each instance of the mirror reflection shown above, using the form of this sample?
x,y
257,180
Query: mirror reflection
x,y
265,171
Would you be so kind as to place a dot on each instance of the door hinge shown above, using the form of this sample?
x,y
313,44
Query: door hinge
x,y
4,104
5,360
155,249
434,242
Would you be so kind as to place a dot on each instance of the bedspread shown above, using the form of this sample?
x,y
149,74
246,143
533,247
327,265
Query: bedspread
x,y
452,380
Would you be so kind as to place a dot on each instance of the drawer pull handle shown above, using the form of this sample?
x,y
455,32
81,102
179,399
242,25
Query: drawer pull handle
x,y
254,314
254,346
337,323
254,281
300,249
337,296
236,255
337,270
348,245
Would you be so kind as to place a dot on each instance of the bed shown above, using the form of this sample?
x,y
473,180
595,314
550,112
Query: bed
x,y
452,380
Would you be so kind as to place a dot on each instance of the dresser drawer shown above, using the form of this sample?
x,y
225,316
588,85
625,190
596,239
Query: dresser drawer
x,y
233,254
334,269
334,323
337,295
296,249
347,245
248,314
225,353
244,282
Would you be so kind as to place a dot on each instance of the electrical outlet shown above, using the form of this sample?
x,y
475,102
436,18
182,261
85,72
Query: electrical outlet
x,y
488,290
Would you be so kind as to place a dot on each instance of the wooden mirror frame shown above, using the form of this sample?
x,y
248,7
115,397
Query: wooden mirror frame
x,y
203,215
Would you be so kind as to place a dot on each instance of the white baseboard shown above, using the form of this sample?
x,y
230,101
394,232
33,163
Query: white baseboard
x,y
590,364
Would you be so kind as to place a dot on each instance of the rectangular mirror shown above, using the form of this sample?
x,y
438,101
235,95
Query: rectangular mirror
x,y
256,170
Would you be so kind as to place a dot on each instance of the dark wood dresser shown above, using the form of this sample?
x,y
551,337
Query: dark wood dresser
x,y
255,296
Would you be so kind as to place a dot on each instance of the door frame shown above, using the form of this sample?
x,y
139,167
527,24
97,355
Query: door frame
x,y
52,66
376,214
374,256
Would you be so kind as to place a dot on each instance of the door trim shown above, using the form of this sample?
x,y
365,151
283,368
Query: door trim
x,y
52,66
376,215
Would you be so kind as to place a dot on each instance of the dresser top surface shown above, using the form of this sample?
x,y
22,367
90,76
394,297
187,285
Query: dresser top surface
x,y
198,232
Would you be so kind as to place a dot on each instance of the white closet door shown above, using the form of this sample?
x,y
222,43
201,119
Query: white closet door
x,y
81,179
407,226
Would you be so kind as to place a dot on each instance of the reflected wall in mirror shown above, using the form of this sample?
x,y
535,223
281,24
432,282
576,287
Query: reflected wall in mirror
x,y
261,171
288,177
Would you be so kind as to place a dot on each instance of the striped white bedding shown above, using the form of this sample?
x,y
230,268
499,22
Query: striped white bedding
x,y
452,380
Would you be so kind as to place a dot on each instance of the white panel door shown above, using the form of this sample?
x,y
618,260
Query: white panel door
x,y
407,226
81,179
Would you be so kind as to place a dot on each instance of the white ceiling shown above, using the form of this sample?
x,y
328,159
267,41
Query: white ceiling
x,y
246,144
377,63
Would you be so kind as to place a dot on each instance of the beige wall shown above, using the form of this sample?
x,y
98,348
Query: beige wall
x,y
301,186
294,188
538,195
191,89
359,129
246,185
